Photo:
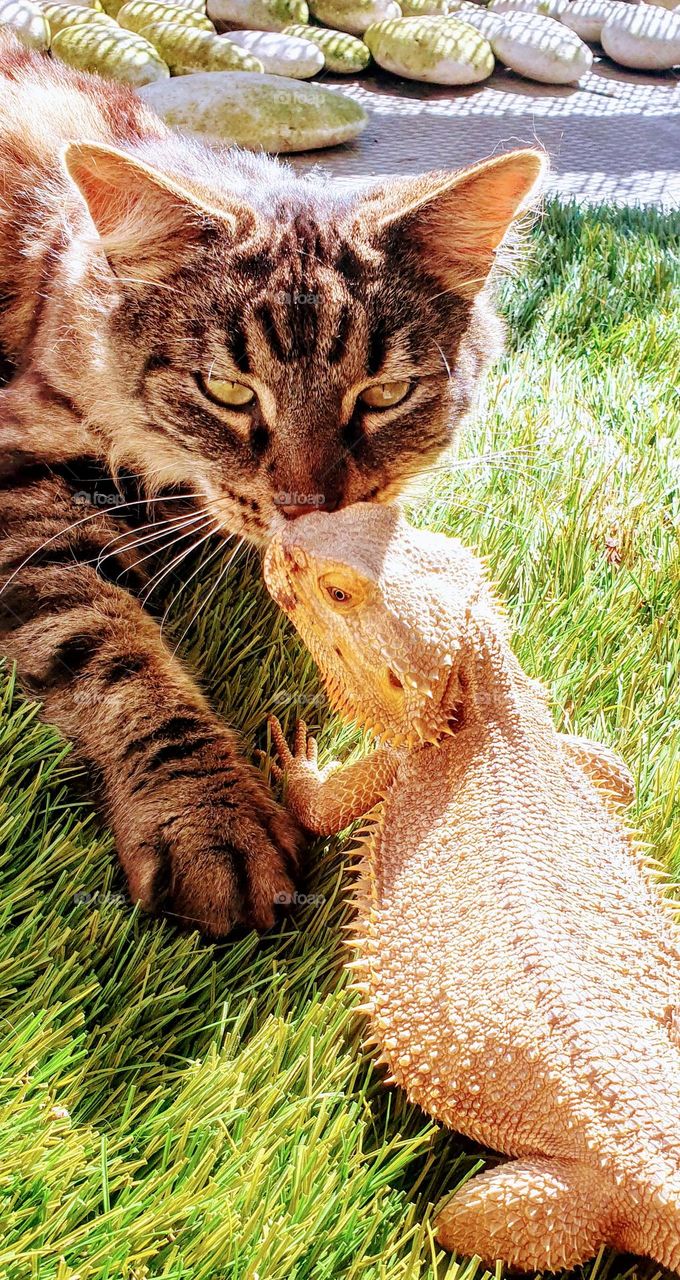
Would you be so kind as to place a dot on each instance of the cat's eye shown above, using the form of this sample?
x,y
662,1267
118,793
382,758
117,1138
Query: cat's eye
x,y
382,395
233,395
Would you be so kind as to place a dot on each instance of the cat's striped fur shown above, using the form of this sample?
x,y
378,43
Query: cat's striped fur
x,y
133,265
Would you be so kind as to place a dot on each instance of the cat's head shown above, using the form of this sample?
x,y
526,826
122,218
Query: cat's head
x,y
280,347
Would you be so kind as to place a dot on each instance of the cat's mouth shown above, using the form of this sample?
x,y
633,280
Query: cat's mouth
x,y
259,519
284,514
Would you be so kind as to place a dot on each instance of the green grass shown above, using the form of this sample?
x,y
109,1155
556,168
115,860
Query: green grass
x,y
173,1109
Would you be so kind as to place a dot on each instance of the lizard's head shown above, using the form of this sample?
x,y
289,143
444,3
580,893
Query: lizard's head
x,y
384,610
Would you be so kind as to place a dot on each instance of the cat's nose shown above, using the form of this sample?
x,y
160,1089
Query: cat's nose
x,y
294,510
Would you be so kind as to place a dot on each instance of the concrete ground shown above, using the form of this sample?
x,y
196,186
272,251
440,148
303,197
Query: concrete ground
x,y
614,137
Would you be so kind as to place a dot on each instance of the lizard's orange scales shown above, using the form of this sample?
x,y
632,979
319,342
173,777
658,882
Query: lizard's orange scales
x,y
516,955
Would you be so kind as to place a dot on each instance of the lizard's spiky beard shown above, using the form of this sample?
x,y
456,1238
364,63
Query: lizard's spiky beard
x,y
381,693
419,716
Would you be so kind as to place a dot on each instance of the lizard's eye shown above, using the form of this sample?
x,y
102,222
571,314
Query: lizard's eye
x,y
343,589
224,391
338,592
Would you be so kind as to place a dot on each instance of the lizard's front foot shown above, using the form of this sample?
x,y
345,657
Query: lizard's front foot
x,y
305,782
536,1214
305,750
300,769
326,800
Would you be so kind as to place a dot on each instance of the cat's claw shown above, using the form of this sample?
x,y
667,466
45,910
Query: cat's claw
x,y
221,857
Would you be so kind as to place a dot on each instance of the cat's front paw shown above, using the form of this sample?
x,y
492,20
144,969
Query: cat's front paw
x,y
211,851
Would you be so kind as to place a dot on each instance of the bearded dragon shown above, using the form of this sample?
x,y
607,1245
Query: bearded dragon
x,y
519,962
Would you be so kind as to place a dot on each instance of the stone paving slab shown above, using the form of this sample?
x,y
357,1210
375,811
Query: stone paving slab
x,y
614,137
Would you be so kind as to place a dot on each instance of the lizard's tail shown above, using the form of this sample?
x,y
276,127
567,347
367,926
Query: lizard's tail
x,y
654,1228
542,1215
534,1215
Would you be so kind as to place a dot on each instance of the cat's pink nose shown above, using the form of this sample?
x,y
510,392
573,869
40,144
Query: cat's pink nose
x,y
293,511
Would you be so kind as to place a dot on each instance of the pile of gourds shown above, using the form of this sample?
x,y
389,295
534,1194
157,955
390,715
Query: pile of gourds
x,y
244,87
232,68
458,41
181,36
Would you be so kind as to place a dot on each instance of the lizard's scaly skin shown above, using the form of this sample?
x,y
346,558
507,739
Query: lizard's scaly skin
x,y
518,960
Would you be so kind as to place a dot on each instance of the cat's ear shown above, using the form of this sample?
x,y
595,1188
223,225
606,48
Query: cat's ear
x,y
457,221
144,220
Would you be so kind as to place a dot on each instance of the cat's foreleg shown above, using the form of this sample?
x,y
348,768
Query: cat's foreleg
x,y
196,829
38,424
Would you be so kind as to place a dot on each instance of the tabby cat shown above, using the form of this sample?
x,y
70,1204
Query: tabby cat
x,y
216,327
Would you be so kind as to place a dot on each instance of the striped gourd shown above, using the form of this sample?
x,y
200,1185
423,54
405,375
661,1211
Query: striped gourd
x,y
344,54
428,8
434,50
120,55
113,7
137,14
27,21
69,15
281,54
267,113
353,16
78,4
186,49
258,15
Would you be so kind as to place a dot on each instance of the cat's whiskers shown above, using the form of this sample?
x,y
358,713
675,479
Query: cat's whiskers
x,y
417,480
203,565
217,515
133,530
163,573
119,477
499,455
498,458
488,513
161,528
173,540
444,360
470,283
77,523
220,578
150,284
485,511
434,473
